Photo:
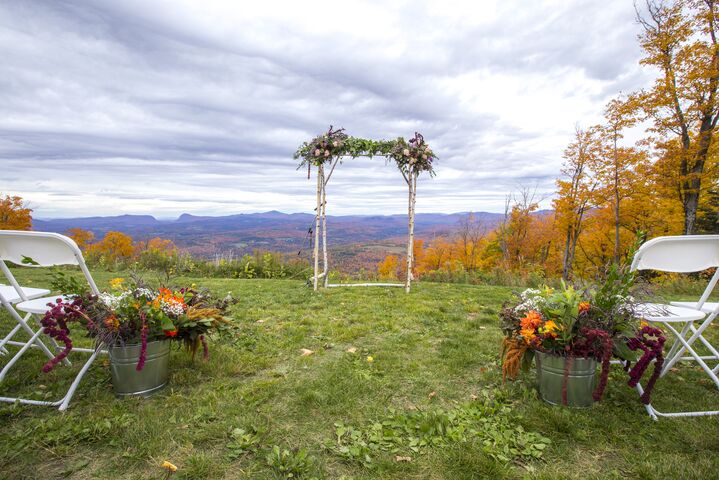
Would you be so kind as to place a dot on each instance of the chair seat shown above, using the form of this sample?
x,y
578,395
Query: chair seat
x,y
11,295
658,312
708,307
39,305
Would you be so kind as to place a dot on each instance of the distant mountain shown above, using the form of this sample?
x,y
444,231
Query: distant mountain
x,y
277,231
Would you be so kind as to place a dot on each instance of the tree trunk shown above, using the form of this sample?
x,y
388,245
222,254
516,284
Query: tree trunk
x,y
690,204
316,252
616,203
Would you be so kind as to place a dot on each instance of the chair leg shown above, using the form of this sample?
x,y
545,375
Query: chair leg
x,y
19,354
687,346
654,414
66,401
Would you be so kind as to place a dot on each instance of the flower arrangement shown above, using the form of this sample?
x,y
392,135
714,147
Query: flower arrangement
x,y
323,148
136,315
414,154
567,322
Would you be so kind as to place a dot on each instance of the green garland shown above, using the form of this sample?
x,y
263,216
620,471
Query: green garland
x,y
325,148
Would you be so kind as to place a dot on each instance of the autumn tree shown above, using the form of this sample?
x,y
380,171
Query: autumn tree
x,y
679,39
81,237
387,268
114,246
470,234
14,214
614,167
574,192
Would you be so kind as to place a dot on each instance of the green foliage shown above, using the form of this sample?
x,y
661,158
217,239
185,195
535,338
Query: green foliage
x,y
440,338
411,433
326,147
295,463
243,442
66,283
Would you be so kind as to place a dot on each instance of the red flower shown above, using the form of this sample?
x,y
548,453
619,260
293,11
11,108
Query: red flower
x,y
171,333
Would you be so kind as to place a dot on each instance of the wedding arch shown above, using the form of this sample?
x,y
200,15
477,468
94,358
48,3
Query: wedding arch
x,y
327,150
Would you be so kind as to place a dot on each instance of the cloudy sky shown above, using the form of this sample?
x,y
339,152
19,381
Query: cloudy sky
x,y
165,107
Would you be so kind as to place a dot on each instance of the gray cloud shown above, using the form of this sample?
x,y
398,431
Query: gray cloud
x,y
169,107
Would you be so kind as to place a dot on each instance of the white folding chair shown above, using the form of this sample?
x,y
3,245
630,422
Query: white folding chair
x,y
683,254
44,249
9,294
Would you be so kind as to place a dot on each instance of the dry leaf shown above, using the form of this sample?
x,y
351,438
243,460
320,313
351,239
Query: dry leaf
x,y
400,458
483,328
432,395
352,350
473,397
260,321
306,352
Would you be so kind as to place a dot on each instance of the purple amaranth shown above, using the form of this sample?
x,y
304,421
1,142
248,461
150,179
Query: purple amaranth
x,y
651,341
143,344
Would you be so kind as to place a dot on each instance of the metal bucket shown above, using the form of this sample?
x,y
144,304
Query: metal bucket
x,y
127,381
580,383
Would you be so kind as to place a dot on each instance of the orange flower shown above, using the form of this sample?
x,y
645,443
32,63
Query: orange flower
x,y
584,307
532,320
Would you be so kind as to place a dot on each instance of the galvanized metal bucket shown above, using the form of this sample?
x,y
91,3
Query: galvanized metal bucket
x,y
580,383
127,381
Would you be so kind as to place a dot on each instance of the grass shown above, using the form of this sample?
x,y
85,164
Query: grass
x,y
434,355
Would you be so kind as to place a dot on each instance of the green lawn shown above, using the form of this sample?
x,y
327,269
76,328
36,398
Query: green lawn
x,y
433,379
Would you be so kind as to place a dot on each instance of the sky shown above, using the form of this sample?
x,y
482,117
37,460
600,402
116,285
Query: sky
x,y
165,107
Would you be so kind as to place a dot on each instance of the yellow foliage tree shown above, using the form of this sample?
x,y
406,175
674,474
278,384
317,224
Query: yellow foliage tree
x,y
387,268
679,40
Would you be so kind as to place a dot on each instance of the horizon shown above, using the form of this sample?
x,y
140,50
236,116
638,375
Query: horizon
x,y
118,106
158,218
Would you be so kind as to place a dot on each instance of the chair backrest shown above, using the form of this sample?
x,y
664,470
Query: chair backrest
x,y
40,249
681,254
46,249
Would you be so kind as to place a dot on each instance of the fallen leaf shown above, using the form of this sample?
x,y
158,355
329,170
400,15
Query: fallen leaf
x,y
260,321
352,350
483,328
432,395
400,458
473,397
306,352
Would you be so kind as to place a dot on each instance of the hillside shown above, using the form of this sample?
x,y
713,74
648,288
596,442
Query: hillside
x,y
276,231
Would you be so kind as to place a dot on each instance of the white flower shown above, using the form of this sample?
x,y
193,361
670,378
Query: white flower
x,y
405,152
317,152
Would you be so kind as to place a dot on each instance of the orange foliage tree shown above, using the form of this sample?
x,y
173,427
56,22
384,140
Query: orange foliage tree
x,y
14,214
114,246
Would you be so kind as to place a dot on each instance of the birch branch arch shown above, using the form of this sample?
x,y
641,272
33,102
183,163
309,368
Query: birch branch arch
x,y
325,151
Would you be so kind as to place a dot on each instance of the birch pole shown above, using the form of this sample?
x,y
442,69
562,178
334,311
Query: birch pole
x,y
325,267
320,183
412,184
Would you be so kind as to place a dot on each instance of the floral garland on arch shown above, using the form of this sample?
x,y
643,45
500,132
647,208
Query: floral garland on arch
x,y
411,158
336,143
